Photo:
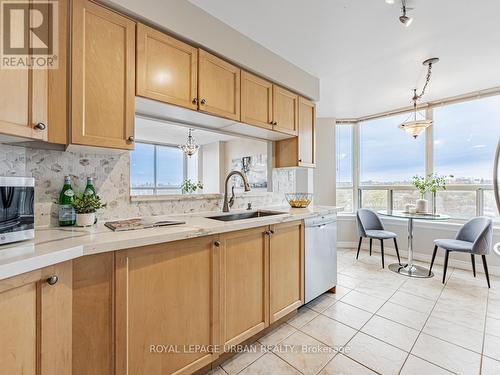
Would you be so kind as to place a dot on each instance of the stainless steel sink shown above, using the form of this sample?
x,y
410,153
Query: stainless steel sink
x,y
244,215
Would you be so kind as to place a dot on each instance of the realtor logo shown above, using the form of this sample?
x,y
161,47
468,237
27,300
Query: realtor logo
x,y
29,31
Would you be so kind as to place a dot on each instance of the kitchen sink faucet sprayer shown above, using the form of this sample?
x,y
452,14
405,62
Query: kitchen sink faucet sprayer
x,y
229,203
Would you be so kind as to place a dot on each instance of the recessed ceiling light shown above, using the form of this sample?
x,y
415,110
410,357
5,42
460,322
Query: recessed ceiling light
x,y
390,1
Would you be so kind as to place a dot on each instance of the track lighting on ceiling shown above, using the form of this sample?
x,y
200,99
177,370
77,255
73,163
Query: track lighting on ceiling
x,y
404,19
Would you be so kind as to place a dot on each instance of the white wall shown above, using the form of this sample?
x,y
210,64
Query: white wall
x,y
424,235
189,22
213,167
324,173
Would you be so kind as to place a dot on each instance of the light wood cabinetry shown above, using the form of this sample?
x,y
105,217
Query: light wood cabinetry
x,y
218,86
286,269
103,77
256,101
167,69
244,283
35,322
166,295
285,110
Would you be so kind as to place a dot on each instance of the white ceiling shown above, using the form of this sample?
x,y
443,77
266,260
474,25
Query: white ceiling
x,y
366,60
164,132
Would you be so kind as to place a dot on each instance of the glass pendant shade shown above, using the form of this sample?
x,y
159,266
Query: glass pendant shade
x,y
190,148
416,127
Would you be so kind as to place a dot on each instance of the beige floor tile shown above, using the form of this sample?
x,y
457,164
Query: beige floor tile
x,y
426,288
304,316
342,365
375,354
492,347
305,353
490,367
379,290
321,303
410,301
494,305
329,331
447,355
400,314
454,333
417,366
216,371
363,301
237,363
493,326
277,335
459,314
269,364
391,332
347,281
347,314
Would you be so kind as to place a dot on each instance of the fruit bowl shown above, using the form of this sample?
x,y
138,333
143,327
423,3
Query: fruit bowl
x,y
299,200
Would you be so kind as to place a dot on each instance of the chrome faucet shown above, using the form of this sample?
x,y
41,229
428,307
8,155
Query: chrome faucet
x,y
229,203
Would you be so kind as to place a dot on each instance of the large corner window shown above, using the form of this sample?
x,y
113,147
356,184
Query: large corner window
x,y
159,169
344,167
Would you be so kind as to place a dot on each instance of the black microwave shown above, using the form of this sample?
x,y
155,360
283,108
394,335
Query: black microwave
x,y
17,214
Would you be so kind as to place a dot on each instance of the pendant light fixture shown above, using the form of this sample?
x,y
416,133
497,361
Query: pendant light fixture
x,y
404,19
416,126
190,147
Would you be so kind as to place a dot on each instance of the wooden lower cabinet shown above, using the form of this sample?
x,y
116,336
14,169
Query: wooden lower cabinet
x,y
286,269
244,282
35,322
166,301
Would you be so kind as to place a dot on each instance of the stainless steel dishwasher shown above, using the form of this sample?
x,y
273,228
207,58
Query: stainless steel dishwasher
x,y
320,255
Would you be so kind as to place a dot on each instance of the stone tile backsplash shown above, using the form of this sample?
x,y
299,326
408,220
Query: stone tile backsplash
x,y
111,174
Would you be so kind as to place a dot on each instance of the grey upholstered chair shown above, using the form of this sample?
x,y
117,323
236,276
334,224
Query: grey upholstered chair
x,y
475,238
370,226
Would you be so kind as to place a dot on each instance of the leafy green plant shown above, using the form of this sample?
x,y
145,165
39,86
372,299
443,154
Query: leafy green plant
x,y
189,186
432,183
87,204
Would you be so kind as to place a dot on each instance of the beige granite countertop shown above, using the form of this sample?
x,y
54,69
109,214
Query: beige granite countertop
x,y
56,245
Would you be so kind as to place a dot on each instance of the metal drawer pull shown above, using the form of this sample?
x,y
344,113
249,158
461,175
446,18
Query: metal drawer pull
x,y
52,280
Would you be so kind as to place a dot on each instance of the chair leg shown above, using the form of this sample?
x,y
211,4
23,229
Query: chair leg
x,y
433,257
445,264
382,251
473,264
371,240
359,247
485,265
397,250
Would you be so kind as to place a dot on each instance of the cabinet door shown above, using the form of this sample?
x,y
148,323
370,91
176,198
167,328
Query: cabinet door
x,y
244,284
103,77
166,295
307,133
285,110
35,321
218,87
256,101
167,69
286,269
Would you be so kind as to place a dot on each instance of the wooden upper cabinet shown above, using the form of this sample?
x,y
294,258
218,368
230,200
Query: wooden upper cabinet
x,y
166,294
286,269
167,69
285,110
35,321
244,284
103,77
256,101
307,133
218,86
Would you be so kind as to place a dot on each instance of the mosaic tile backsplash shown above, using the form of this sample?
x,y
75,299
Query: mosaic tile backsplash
x,y
111,174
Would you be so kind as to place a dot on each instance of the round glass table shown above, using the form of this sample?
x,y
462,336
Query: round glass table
x,y
410,269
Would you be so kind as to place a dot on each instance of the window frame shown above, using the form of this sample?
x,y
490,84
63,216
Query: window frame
x,y
157,190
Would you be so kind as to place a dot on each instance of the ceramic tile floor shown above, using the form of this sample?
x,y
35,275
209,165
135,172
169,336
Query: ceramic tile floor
x,y
383,323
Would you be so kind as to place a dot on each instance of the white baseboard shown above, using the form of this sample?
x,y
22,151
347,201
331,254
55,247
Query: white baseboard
x,y
423,257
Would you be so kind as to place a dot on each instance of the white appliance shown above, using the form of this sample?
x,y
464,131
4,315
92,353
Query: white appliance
x,y
320,255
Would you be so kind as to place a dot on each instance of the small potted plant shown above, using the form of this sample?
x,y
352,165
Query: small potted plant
x,y
189,187
432,183
86,206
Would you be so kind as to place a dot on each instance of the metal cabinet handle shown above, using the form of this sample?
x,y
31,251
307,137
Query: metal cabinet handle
x,y
130,139
203,102
300,160
194,101
52,280
269,232
275,123
216,243
40,126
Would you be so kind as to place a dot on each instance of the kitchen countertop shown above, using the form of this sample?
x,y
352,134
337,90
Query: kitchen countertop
x,y
55,244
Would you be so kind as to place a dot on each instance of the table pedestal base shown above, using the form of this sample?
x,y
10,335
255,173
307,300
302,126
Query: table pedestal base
x,y
411,270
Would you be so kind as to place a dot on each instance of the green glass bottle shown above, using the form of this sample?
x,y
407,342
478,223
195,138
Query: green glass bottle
x,y
67,215
90,189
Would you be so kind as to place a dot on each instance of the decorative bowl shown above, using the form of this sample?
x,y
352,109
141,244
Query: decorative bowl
x,y
299,200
